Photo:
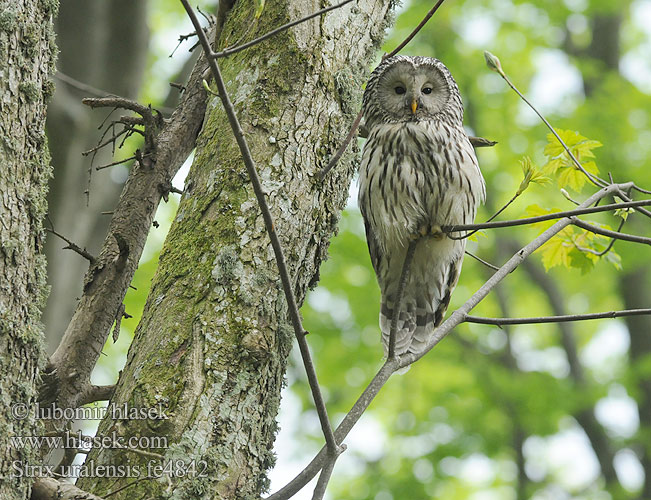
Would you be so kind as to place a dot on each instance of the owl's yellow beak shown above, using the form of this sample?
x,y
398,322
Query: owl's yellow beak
x,y
414,106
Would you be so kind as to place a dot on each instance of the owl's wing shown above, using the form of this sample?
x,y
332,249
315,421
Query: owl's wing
x,y
373,246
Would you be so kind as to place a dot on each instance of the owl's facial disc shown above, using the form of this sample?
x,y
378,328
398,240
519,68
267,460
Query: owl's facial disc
x,y
412,93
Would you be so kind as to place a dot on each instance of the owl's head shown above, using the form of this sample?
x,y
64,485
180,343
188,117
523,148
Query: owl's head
x,y
404,89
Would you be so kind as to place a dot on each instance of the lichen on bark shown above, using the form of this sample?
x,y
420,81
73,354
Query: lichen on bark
x,y
27,62
214,338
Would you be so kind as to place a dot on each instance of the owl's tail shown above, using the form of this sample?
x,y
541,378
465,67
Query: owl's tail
x,y
423,305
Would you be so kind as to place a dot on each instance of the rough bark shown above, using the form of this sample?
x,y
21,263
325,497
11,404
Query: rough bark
x,y
28,52
103,44
213,342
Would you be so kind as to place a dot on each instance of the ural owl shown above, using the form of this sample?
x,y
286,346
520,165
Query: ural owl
x,y
418,173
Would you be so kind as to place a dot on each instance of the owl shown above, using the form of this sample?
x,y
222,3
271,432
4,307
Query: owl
x,y
418,173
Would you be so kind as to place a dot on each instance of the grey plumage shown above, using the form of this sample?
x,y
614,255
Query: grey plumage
x,y
418,173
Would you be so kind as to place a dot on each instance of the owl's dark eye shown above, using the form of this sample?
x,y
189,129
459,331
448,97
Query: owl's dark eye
x,y
427,90
400,90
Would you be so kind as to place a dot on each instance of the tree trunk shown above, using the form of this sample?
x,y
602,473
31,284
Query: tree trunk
x,y
212,346
28,53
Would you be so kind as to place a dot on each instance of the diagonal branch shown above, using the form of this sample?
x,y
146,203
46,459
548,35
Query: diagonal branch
x,y
271,230
397,305
73,246
67,376
411,35
232,50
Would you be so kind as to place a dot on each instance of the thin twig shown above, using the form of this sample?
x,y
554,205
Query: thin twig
x,y
270,226
232,50
128,485
542,218
645,191
495,65
113,164
556,319
611,234
479,259
324,478
612,241
397,305
504,207
73,246
416,30
111,140
342,149
353,128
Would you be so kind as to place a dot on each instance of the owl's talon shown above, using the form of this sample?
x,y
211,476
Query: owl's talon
x,y
436,232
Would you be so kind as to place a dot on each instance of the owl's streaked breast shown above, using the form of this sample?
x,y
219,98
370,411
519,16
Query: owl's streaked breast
x,y
417,173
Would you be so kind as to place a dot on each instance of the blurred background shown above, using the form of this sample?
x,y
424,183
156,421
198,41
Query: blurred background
x,y
554,412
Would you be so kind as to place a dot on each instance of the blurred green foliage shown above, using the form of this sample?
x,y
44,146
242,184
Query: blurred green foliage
x,y
451,426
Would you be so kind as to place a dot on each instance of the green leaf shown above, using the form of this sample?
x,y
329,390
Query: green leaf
x,y
581,260
259,7
560,163
531,173
556,252
535,211
615,259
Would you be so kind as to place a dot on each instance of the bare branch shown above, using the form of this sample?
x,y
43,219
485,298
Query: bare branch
x,y
342,149
232,50
109,276
120,103
416,30
324,478
504,207
73,246
128,485
89,89
397,305
94,393
556,319
119,162
269,224
478,259
611,234
542,218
